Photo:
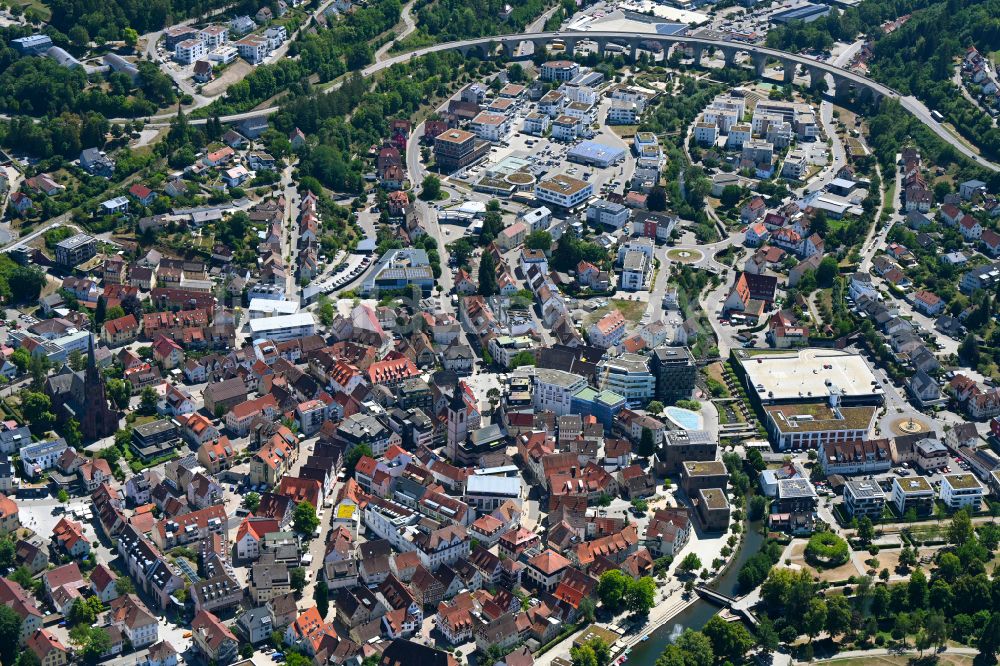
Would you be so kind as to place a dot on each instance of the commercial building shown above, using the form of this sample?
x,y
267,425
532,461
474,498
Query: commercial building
x,y
803,13
283,327
912,493
962,491
712,509
595,154
75,250
602,405
698,475
563,191
811,425
675,372
488,493
398,269
266,307
679,446
554,390
629,376
808,375
863,498
456,149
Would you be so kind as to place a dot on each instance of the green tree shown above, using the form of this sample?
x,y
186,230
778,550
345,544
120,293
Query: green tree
x,y
27,658
77,361
657,199
124,586
321,595
646,444
119,392
730,640
655,407
6,552
968,350
989,638
814,619
354,455
756,507
731,195
297,577
826,272
80,613
488,285
148,400
961,529
71,433
838,615
916,589
431,188
611,589
692,648
325,309
37,410
523,357
866,531
131,37
251,501
21,357
587,609
539,240
62,495
22,577
767,637
640,596
304,519
690,562
949,567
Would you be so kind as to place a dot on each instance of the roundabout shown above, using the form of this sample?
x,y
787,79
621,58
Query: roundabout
x,y
685,256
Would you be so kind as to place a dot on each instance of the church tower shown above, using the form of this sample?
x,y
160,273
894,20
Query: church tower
x,y
98,419
458,428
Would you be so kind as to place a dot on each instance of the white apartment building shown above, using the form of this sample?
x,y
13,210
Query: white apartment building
x,y
214,36
795,166
559,70
863,498
552,103
641,244
536,123
706,133
636,274
554,389
738,135
493,127
960,491
565,128
563,191
610,214
189,50
254,48
623,113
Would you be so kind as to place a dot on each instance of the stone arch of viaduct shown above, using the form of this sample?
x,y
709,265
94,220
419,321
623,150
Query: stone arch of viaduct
x,y
759,56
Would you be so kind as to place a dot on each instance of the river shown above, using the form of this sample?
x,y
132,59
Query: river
x,y
696,615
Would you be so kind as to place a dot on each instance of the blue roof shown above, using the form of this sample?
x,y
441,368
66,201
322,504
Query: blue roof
x,y
671,28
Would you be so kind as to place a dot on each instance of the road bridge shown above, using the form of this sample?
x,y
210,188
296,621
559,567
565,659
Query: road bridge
x,y
816,71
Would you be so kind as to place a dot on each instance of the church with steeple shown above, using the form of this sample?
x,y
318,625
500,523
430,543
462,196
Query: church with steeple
x,y
81,396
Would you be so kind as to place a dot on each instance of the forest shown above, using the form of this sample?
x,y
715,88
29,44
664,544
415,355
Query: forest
x,y
107,19
327,54
448,20
917,58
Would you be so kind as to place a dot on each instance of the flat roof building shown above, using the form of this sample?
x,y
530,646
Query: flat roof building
x,y
594,153
563,191
962,491
808,375
863,498
283,327
810,425
913,492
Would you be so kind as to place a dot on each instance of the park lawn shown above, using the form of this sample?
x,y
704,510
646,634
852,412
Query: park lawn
x,y
843,572
943,659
